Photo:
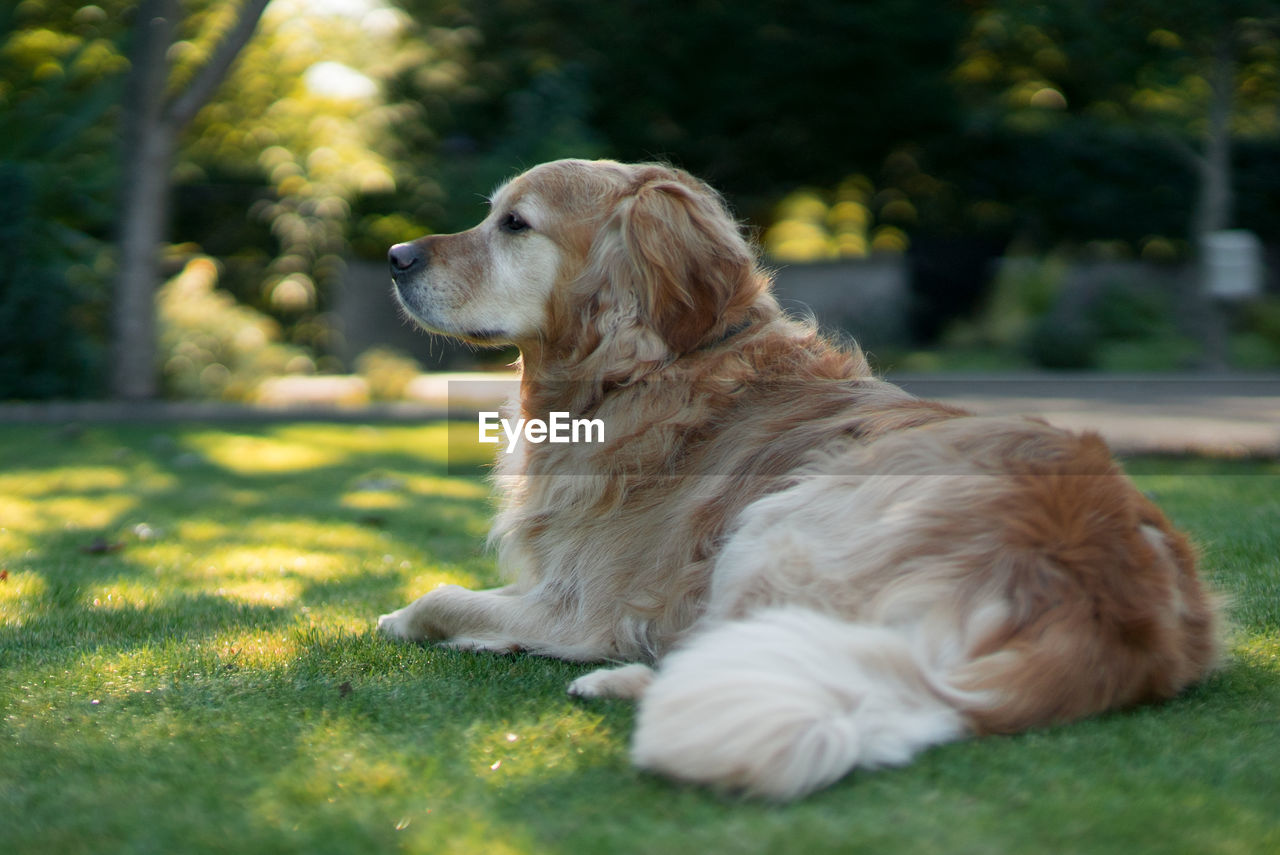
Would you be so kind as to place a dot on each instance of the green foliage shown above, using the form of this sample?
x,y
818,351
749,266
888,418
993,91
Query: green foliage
x,y
1063,344
388,372
1125,327
1023,291
214,347
48,296
756,96
1262,317
276,162
546,119
345,128
851,221
1256,344
1123,311
1090,118
374,234
1160,351
58,90
188,664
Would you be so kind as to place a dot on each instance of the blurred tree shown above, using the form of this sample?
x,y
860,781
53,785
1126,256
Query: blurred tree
x,y
169,81
59,75
757,96
299,139
1184,76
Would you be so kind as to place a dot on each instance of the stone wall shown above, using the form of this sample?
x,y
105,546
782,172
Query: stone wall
x,y
867,299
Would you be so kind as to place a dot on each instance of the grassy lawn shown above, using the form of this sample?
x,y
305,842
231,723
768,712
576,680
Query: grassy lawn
x,y
187,664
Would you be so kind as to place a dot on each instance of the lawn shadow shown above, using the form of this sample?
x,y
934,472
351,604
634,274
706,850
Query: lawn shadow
x,y
338,494
186,617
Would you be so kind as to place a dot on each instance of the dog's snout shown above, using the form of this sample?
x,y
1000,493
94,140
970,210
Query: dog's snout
x,y
404,257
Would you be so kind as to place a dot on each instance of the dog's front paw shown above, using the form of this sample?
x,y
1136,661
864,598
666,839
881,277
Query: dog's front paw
x,y
397,625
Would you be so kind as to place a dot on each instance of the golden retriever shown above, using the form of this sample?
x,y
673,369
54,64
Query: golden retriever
x,y
808,569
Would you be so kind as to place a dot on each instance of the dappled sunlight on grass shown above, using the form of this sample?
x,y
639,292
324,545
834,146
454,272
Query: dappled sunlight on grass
x,y
466,833
18,592
318,524
299,549
281,443
333,759
256,649
462,488
123,474
34,503
428,580
18,518
123,593
257,455
316,541
69,498
277,592
374,501
75,479
1261,650
196,530
122,675
187,632
88,512
558,742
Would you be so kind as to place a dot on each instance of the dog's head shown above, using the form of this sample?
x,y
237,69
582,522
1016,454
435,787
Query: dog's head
x,y
587,262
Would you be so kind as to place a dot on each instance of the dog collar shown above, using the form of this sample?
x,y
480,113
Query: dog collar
x,y
741,326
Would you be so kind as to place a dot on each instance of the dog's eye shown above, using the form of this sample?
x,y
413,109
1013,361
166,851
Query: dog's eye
x,y
512,223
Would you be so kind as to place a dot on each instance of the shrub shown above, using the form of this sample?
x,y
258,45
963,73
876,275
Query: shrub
x,y
1260,321
1124,312
388,372
52,287
213,347
58,86
1063,343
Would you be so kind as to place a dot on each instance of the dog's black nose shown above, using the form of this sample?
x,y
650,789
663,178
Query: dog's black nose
x,y
403,257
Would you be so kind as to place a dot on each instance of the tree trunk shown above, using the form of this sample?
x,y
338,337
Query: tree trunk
x,y
143,233
153,122
1213,207
148,156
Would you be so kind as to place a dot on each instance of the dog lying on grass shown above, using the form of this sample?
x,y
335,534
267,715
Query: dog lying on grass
x,y
807,569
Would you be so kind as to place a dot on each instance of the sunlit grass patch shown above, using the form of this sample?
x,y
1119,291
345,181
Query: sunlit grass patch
x,y
188,664
369,500
257,649
247,454
547,744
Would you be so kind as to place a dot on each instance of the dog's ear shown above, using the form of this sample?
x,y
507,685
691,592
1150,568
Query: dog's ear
x,y
687,261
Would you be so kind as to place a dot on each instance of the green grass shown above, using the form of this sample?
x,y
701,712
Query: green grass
x,y
187,665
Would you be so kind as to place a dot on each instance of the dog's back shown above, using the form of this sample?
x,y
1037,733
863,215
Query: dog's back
x,y
971,575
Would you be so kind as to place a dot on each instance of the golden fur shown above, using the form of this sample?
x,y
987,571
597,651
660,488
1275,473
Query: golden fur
x,y
826,571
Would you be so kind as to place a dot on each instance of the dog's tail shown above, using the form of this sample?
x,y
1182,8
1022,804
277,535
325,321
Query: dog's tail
x,y
788,701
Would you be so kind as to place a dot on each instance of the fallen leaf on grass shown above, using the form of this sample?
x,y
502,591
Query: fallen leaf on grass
x,y
376,484
101,546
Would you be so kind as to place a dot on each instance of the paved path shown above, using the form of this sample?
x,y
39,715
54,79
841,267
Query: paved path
x,y
1227,415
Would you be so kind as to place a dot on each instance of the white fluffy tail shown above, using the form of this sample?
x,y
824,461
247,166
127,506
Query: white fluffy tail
x,y
790,700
